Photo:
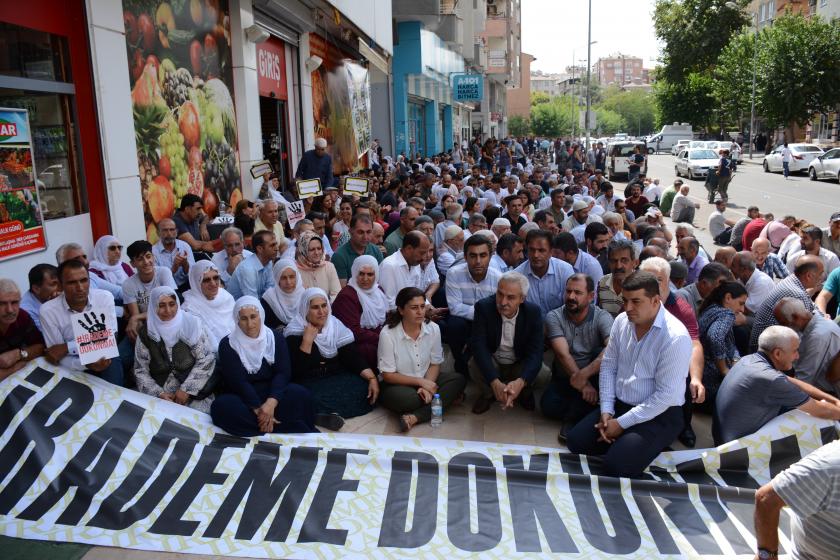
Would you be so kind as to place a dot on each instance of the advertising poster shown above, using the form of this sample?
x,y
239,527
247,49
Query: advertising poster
x,y
340,105
21,223
179,61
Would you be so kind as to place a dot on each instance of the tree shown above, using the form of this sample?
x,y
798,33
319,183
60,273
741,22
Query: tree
x,y
691,100
518,126
635,107
551,119
539,97
799,69
733,78
608,122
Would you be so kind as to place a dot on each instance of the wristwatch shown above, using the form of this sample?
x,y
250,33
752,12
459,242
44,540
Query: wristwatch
x,y
765,554
24,355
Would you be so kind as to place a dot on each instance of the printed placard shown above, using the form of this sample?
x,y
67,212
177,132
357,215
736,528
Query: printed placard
x,y
356,185
307,188
261,168
294,211
95,334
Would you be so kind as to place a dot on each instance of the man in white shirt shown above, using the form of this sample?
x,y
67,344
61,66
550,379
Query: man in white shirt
x,y
57,316
811,244
138,288
683,208
641,384
787,155
652,191
401,269
234,252
757,283
718,223
451,252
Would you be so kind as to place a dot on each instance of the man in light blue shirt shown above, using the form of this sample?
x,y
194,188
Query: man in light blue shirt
x,y
466,283
173,253
253,276
565,247
546,275
43,286
641,384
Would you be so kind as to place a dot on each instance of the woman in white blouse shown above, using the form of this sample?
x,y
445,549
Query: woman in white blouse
x,y
410,354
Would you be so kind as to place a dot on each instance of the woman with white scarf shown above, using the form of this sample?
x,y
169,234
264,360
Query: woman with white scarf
x,y
173,357
280,302
260,397
107,263
207,300
361,306
326,360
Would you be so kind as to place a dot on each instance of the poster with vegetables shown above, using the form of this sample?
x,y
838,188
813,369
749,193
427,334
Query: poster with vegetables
x,y
21,223
179,59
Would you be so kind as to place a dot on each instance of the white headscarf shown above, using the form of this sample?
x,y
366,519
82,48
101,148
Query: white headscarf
x,y
181,327
333,335
284,305
216,314
252,351
113,273
374,301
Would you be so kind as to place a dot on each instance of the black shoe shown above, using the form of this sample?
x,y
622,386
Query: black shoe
x,y
688,437
331,421
562,433
482,405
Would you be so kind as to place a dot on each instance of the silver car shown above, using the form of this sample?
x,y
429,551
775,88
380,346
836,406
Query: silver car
x,y
695,164
826,166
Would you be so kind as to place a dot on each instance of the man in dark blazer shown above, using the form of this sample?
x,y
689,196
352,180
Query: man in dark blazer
x,y
507,345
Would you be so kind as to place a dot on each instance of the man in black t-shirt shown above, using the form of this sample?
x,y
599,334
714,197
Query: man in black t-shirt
x,y
635,161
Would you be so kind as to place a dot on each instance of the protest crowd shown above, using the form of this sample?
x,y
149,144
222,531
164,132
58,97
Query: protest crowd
x,y
551,290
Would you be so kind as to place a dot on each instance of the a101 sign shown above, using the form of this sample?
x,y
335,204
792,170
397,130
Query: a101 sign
x,y
468,87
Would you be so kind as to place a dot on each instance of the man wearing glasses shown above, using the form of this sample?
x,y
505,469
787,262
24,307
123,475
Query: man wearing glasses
x,y
317,164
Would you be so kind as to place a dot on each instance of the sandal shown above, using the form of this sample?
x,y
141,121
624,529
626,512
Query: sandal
x,y
405,425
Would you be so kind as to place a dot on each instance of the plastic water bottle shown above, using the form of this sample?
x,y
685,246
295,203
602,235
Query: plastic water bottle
x,y
437,411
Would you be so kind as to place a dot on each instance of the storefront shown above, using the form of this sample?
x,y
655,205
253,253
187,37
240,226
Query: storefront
x,y
274,109
45,68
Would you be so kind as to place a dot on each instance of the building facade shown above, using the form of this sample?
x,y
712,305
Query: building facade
x,y
620,69
519,98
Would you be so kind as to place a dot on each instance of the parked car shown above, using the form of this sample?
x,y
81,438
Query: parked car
x,y
679,146
694,144
733,147
668,136
801,157
825,166
695,164
618,153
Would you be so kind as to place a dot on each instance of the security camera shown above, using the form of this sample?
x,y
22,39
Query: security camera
x,y
256,34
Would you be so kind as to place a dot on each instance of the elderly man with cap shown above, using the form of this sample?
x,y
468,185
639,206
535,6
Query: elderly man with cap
x,y
451,251
580,216
317,164
500,227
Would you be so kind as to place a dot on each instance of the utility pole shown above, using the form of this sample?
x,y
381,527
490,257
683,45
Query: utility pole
x,y
588,76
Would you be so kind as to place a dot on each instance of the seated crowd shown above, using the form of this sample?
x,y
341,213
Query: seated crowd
x,y
525,276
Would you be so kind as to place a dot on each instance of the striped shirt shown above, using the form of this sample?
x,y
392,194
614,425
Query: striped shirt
x,y
549,291
648,374
462,291
774,267
608,300
811,488
789,287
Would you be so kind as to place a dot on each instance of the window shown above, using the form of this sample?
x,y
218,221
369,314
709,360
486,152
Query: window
x,y
35,75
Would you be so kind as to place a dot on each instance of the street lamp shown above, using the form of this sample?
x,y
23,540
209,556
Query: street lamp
x,y
575,98
733,6
588,75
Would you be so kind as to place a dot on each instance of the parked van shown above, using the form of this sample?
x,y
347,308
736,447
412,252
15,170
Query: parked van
x,y
665,139
618,154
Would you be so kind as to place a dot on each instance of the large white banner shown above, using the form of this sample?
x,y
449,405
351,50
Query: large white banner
x,y
84,461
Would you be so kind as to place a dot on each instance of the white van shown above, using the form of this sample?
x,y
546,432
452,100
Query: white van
x,y
617,155
668,136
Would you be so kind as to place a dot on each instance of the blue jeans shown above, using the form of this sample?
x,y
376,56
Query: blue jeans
x,y
786,168
112,374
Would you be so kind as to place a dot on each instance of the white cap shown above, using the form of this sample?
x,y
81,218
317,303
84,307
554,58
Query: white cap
x,y
451,232
320,143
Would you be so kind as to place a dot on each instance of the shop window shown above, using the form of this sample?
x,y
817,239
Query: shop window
x,y
35,75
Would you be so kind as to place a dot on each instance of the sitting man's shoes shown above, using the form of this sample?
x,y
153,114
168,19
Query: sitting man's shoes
x,y
688,437
562,434
482,405
330,421
527,401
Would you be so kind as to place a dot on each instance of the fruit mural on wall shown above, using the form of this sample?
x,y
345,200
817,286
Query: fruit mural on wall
x,y
179,62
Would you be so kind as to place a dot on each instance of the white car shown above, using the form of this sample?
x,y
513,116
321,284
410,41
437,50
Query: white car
x,y
618,154
696,144
826,166
695,164
679,146
801,157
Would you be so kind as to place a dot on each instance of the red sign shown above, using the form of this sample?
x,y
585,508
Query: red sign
x,y
271,69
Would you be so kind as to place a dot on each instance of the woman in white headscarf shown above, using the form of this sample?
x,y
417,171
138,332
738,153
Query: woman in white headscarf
x,y
260,397
327,361
361,306
107,261
173,357
207,300
280,302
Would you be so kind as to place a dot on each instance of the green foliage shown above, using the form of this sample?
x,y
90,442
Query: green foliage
x,y
551,119
691,100
609,122
733,74
519,125
635,107
539,97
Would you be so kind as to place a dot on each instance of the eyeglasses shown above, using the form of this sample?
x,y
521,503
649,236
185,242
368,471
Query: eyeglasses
x,y
115,248
212,279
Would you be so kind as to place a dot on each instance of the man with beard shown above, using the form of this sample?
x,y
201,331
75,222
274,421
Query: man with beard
x,y
596,239
578,333
621,255
565,247
43,286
